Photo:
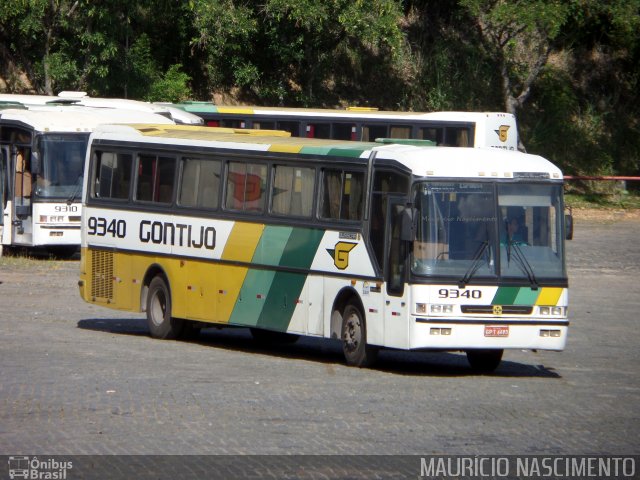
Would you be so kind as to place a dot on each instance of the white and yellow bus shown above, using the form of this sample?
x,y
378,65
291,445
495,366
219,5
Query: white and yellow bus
x,y
453,129
41,168
396,246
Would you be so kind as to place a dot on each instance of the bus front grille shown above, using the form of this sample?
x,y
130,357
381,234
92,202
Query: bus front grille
x,y
102,278
494,309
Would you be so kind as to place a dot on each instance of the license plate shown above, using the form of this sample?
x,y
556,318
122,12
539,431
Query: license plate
x,y
496,331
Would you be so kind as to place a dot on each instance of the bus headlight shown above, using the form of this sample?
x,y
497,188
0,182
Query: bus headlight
x,y
435,308
553,311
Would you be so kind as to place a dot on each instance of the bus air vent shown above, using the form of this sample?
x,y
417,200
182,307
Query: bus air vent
x,y
102,278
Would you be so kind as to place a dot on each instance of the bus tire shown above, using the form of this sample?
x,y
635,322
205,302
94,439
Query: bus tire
x,y
356,351
484,361
161,324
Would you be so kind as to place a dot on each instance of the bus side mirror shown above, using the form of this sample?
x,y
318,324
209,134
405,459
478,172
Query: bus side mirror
x,y
36,166
406,224
568,226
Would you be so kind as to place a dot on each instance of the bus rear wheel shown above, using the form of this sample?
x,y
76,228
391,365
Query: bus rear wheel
x,y
484,361
161,324
356,351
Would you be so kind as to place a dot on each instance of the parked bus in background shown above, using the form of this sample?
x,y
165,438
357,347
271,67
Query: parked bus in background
x,y
41,169
396,246
454,129
176,115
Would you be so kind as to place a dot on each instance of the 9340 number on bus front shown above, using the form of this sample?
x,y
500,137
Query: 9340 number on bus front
x,y
455,293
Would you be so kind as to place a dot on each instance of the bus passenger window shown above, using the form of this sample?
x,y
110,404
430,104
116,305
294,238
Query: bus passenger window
x,y
400,131
435,134
291,127
343,131
232,123
292,191
246,186
155,179
318,130
342,197
112,175
262,125
200,183
371,132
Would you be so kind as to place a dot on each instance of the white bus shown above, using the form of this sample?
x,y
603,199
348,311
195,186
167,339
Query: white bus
x,y
454,129
41,169
177,115
396,246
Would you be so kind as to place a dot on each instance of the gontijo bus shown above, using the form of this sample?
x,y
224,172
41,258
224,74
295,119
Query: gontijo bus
x,y
453,129
41,169
392,246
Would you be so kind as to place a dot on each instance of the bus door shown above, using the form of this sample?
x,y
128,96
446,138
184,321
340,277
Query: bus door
x,y
21,208
396,308
5,202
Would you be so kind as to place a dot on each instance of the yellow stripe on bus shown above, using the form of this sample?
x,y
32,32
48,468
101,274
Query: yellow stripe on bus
x,y
549,296
238,110
240,247
285,148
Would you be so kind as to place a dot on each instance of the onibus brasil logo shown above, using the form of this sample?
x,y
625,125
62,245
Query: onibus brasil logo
x,y
38,469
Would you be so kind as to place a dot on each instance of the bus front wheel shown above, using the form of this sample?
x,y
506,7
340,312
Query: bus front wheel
x,y
161,324
356,351
484,361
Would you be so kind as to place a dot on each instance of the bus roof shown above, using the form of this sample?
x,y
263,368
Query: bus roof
x,y
76,119
429,161
208,107
82,99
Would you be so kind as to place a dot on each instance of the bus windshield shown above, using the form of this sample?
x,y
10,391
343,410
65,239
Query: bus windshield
x,y
62,163
465,230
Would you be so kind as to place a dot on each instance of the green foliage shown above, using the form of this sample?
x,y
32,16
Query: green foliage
x,y
170,87
570,69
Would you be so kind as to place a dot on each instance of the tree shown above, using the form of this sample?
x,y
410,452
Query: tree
x,y
519,35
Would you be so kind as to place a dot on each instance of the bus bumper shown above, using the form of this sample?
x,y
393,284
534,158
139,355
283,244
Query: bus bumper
x,y
486,334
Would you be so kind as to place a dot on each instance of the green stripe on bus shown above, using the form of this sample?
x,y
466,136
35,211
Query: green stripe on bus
x,y
287,286
252,298
526,296
272,244
505,296
281,301
347,152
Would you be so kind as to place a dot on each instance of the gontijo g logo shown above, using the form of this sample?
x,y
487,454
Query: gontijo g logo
x,y
34,468
340,254
502,132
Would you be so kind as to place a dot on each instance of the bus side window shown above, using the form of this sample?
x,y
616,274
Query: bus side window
x,y
400,131
291,127
342,195
155,179
246,186
200,183
112,175
343,131
292,191
371,132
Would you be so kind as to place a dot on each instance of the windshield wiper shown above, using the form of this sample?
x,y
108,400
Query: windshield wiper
x,y
522,262
75,192
520,258
475,264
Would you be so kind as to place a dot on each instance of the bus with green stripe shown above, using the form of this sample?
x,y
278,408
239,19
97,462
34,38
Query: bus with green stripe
x,y
379,246
454,129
